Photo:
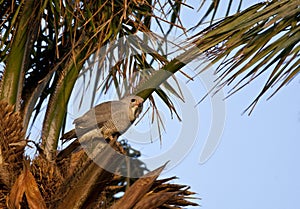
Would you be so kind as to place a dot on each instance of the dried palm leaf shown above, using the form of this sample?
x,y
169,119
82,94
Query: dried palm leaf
x,y
12,144
26,185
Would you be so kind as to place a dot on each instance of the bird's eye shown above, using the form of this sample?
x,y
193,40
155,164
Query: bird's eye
x,y
132,100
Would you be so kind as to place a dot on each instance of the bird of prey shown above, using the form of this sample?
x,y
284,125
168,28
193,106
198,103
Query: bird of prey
x,y
112,117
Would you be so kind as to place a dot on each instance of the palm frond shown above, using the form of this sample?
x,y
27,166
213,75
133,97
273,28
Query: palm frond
x,y
263,38
19,50
26,185
215,6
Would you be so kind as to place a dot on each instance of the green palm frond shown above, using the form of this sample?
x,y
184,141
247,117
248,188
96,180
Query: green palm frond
x,y
213,8
263,38
23,25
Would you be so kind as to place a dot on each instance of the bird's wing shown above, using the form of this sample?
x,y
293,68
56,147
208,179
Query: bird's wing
x,y
98,115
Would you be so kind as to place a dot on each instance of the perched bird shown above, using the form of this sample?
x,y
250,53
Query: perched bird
x,y
112,117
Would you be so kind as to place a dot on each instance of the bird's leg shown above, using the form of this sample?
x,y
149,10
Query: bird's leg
x,y
115,144
111,139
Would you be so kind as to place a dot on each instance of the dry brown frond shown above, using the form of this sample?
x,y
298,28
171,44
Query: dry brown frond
x,y
12,144
26,184
11,134
47,176
138,190
147,192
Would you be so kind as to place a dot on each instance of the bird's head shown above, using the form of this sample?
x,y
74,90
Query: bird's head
x,y
135,106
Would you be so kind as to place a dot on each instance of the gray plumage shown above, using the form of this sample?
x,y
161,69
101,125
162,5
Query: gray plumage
x,y
113,117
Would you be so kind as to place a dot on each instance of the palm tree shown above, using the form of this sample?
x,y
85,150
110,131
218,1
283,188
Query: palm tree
x,y
46,44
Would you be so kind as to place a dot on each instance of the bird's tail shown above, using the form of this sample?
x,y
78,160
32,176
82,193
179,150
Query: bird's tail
x,y
68,136
67,151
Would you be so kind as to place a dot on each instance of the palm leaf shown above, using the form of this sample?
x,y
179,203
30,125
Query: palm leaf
x,y
213,8
17,60
263,38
